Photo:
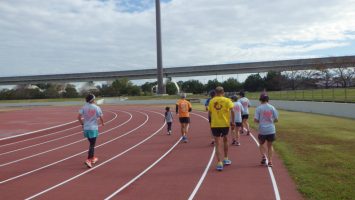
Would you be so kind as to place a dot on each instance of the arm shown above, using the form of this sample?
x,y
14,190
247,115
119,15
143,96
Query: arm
x,y
102,121
177,109
232,118
80,120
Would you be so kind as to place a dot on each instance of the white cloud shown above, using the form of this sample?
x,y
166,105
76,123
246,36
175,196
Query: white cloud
x,y
68,36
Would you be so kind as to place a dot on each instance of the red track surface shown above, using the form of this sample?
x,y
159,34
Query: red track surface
x,y
49,164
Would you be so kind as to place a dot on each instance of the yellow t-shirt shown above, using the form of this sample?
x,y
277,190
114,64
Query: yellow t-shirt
x,y
220,111
183,107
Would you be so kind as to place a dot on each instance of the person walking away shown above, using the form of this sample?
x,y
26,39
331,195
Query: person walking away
x,y
245,114
183,108
238,109
221,110
212,94
91,113
168,119
266,116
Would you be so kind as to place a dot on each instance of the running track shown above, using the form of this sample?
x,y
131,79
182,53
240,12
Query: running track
x,y
137,160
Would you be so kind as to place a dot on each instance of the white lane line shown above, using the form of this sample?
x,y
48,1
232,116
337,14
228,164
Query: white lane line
x,y
59,161
60,138
8,144
89,170
204,174
143,172
52,127
60,147
273,180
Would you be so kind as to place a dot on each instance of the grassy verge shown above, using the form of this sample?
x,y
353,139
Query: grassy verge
x,y
334,95
318,151
41,100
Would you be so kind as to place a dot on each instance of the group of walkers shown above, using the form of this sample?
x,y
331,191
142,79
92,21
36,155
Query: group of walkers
x,y
224,114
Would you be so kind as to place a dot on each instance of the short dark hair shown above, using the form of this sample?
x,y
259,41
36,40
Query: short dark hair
x,y
167,108
212,93
219,90
90,98
264,98
242,93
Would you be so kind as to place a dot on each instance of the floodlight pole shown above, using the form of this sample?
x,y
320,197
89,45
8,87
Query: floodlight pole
x,y
159,50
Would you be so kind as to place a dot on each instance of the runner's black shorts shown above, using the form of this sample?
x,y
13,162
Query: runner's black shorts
x,y
238,124
185,120
246,116
269,138
220,131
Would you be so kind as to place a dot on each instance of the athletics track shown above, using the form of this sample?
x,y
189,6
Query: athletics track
x,y
137,160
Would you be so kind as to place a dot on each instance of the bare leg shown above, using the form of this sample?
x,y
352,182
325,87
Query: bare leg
x,y
225,143
217,146
262,149
270,151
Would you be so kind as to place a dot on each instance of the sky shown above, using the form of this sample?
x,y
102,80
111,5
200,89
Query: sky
x,y
73,36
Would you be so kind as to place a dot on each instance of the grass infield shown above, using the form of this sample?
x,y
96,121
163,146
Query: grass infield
x,y
318,151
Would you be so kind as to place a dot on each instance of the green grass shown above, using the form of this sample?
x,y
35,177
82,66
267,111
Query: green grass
x,y
41,100
318,151
334,95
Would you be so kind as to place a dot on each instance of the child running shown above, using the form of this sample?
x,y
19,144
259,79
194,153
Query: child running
x,y
90,112
238,109
212,94
221,111
266,115
245,114
168,118
183,107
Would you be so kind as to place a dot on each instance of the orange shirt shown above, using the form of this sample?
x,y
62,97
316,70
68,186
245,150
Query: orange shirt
x,y
183,107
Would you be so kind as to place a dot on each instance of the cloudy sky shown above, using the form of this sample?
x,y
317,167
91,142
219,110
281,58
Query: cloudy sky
x,y
71,36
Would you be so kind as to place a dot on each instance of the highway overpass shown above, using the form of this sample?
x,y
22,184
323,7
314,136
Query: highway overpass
x,y
203,70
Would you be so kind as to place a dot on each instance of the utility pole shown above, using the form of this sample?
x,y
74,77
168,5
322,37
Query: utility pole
x,y
159,49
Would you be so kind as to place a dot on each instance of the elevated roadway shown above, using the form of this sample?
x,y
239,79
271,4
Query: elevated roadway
x,y
203,70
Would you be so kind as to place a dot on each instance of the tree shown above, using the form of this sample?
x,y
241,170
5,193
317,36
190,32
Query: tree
x,y
212,84
273,81
254,83
70,91
345,76
147,87
231,85
193,86
171,88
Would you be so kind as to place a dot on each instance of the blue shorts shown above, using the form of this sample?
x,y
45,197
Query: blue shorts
x,y
91,133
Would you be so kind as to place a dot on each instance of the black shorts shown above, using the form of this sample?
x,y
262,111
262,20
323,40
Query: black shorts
x,y
220,131
184,120
238,124
269,138
209,119
245,116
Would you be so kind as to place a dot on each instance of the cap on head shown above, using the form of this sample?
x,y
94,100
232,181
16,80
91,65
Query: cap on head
x,y
234,97
219,90
90,98
212,93
183,95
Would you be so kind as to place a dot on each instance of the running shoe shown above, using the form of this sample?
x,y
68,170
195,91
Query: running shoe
x,y
184,139
212,142
88,163
94,160
234,142
263,161
219,166
226,161
269,164
237,144
248,132
169,132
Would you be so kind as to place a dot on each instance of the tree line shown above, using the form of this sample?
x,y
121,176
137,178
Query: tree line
x,y
272,81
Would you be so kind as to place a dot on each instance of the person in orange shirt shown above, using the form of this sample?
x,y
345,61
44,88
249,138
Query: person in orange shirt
x,y
183,107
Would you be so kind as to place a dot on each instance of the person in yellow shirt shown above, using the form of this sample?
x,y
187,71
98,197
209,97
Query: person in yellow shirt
x,y
221,112
183,108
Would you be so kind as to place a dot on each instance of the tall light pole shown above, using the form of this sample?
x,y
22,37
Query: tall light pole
x,y
159,50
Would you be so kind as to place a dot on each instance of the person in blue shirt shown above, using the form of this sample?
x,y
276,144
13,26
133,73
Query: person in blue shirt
x,y
90,114
238,110
168,119
212,94
266,115
245,114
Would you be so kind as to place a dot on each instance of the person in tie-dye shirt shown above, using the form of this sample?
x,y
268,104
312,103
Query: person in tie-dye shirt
x,y
91,113
266,115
